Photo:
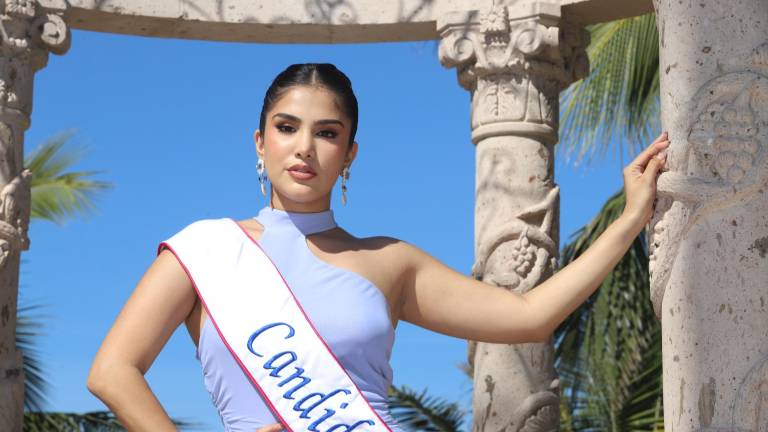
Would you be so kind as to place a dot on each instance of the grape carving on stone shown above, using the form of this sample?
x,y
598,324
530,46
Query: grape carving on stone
x,y
721,162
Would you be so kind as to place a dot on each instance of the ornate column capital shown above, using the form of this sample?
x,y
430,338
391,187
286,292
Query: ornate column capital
x,y
27,27
515,61
28,31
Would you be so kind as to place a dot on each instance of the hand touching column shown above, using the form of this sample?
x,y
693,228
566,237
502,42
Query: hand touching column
x,y
640,181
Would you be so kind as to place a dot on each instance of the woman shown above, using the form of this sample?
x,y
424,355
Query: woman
x,y
354,290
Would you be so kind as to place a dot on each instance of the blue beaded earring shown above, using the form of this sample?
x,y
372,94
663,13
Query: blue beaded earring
x,y
262,177
344,178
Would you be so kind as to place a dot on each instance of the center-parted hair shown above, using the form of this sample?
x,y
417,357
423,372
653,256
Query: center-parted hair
x,y
324,75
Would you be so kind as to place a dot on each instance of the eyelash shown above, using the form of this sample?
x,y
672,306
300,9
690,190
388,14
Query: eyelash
x,y
280,126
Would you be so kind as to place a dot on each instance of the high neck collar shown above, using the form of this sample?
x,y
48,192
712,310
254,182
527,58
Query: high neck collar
x,y
306,223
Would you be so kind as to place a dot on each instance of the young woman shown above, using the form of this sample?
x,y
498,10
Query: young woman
x,y
353,290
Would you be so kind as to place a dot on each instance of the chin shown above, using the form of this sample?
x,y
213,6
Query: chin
x,y
302,194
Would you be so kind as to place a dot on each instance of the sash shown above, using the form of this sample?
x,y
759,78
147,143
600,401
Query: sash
x,y
267,332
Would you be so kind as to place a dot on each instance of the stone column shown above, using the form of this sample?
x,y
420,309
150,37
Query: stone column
x,y
27,32
514,61
709,261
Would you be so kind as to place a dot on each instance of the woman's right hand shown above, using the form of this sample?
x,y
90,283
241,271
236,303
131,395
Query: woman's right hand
x,y
640,182
276,427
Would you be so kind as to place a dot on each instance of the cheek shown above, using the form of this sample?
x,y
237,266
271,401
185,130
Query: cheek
x,y
276,153
333,169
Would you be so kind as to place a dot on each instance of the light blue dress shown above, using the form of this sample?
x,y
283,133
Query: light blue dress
x,y
349,311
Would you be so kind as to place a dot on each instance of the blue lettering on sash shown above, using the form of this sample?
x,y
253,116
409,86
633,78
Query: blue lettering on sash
x,y
305,411
276,371
313,425
276,363
258,332
348,427
297,374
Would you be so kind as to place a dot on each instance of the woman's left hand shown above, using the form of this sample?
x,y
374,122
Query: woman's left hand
x,y
640,182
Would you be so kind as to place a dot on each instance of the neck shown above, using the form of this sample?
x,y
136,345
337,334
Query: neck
x,y
286,221
279,202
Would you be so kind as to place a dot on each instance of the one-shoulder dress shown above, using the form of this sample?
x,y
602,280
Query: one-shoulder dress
x,y
349,312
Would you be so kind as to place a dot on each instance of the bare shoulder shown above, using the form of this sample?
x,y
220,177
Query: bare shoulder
x,y
383,247
382,259
384,255
394,248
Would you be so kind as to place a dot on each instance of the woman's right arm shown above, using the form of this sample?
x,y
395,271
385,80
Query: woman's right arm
x,y
161,301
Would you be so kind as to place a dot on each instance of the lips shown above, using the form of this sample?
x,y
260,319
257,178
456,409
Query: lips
x,y
302,168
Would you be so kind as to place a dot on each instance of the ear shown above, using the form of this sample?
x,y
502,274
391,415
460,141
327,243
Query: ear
x,y
259,141
351,154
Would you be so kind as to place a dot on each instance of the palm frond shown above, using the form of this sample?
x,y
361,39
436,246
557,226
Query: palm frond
x,y
28,328
604,351
91,421
56,193
94,421
620,96
419,412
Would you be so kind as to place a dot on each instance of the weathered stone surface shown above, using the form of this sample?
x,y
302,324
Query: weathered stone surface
x,y
709,265
27,33
514,61
303,21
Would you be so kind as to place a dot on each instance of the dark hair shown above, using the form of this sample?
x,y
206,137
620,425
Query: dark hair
x,y
313,74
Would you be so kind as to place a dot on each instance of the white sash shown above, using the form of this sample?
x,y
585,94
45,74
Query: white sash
x,y
265,328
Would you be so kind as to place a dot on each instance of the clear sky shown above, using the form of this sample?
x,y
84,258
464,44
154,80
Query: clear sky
x,y
170,122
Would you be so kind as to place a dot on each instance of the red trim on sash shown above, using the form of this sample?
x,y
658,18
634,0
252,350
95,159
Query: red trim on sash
x,y
237,359
310,323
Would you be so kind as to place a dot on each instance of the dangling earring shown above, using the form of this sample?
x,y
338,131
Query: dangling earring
x,y
260,170
344,178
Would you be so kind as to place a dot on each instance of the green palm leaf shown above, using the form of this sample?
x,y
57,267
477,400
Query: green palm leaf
x,y
95,421
28,328
620,97
419,412
90,421
607,351
59,194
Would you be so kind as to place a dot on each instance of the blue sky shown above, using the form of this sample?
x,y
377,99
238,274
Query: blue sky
x,y
170,122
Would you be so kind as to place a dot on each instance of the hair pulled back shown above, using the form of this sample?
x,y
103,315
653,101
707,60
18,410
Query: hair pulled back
x,y
313,74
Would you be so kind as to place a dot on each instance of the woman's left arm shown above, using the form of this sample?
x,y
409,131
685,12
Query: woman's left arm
x,y
438,298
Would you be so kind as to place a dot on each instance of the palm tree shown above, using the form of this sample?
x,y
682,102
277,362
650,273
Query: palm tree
x,y
608,352
57,195
620,96
419,411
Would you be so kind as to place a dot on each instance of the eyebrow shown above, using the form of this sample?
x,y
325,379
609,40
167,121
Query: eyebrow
x,y
296,119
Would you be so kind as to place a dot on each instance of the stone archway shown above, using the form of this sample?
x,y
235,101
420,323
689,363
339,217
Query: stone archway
x,y
513,56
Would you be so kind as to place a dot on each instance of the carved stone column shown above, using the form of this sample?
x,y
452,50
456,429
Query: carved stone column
x,y
514,60
709,262
28,32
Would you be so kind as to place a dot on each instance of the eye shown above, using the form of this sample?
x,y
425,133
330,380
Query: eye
x,y
281,127
284,128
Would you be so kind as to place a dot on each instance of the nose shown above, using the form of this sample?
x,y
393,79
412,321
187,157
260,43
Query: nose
x,y
305,144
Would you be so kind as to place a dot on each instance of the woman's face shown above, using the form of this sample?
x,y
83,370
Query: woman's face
x,y
304,128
